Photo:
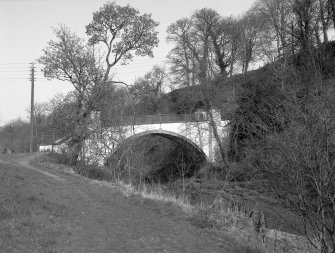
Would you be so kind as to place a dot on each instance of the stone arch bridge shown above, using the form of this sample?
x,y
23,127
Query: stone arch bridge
x,y
191,129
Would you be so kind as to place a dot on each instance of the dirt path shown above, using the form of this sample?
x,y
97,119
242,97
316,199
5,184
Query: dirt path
x,y
74,214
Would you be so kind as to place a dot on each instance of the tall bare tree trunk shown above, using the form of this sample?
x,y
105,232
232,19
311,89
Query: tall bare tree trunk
x,y
218,139
205,82
317,35
332,7
323,22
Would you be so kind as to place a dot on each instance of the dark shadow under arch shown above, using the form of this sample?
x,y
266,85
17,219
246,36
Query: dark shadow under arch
x,y
134,159
172,136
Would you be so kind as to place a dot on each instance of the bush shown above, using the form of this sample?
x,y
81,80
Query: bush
x,y
51,157
299,159
94,172
57,158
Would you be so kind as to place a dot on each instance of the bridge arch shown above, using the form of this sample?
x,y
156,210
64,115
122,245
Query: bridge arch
x,y
172,136
168,162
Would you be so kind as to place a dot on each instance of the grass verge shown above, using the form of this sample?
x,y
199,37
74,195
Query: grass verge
x,y
221,215
29,222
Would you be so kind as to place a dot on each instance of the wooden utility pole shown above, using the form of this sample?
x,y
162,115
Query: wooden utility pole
x,y
32,108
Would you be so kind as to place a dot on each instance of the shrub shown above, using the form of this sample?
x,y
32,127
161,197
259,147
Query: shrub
x,y
51,157
57,158
94,172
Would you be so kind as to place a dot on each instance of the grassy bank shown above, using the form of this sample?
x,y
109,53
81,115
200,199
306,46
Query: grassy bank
x,y
29,222
221,207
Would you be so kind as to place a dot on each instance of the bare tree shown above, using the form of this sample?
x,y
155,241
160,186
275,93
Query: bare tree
x,y
210,44
15,136
304,11
254,39
146,93
277,14
123,32
69,59
180,57
205,44
303,158
331,10
324,10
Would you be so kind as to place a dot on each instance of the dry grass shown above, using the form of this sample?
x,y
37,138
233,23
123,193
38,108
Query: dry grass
x,y
157,193
219,216
278,241
225,217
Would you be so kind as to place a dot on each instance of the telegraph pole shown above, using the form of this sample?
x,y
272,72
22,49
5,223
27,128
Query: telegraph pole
x,y
32,107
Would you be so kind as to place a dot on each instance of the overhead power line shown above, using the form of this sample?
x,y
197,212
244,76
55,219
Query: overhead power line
x,y
16,70
14,63
11,68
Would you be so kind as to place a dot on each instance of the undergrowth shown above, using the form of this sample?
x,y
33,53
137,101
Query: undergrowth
x,y
219,216
94,172
222,215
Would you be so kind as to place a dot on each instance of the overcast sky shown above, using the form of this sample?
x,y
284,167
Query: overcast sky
x,y
26,27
